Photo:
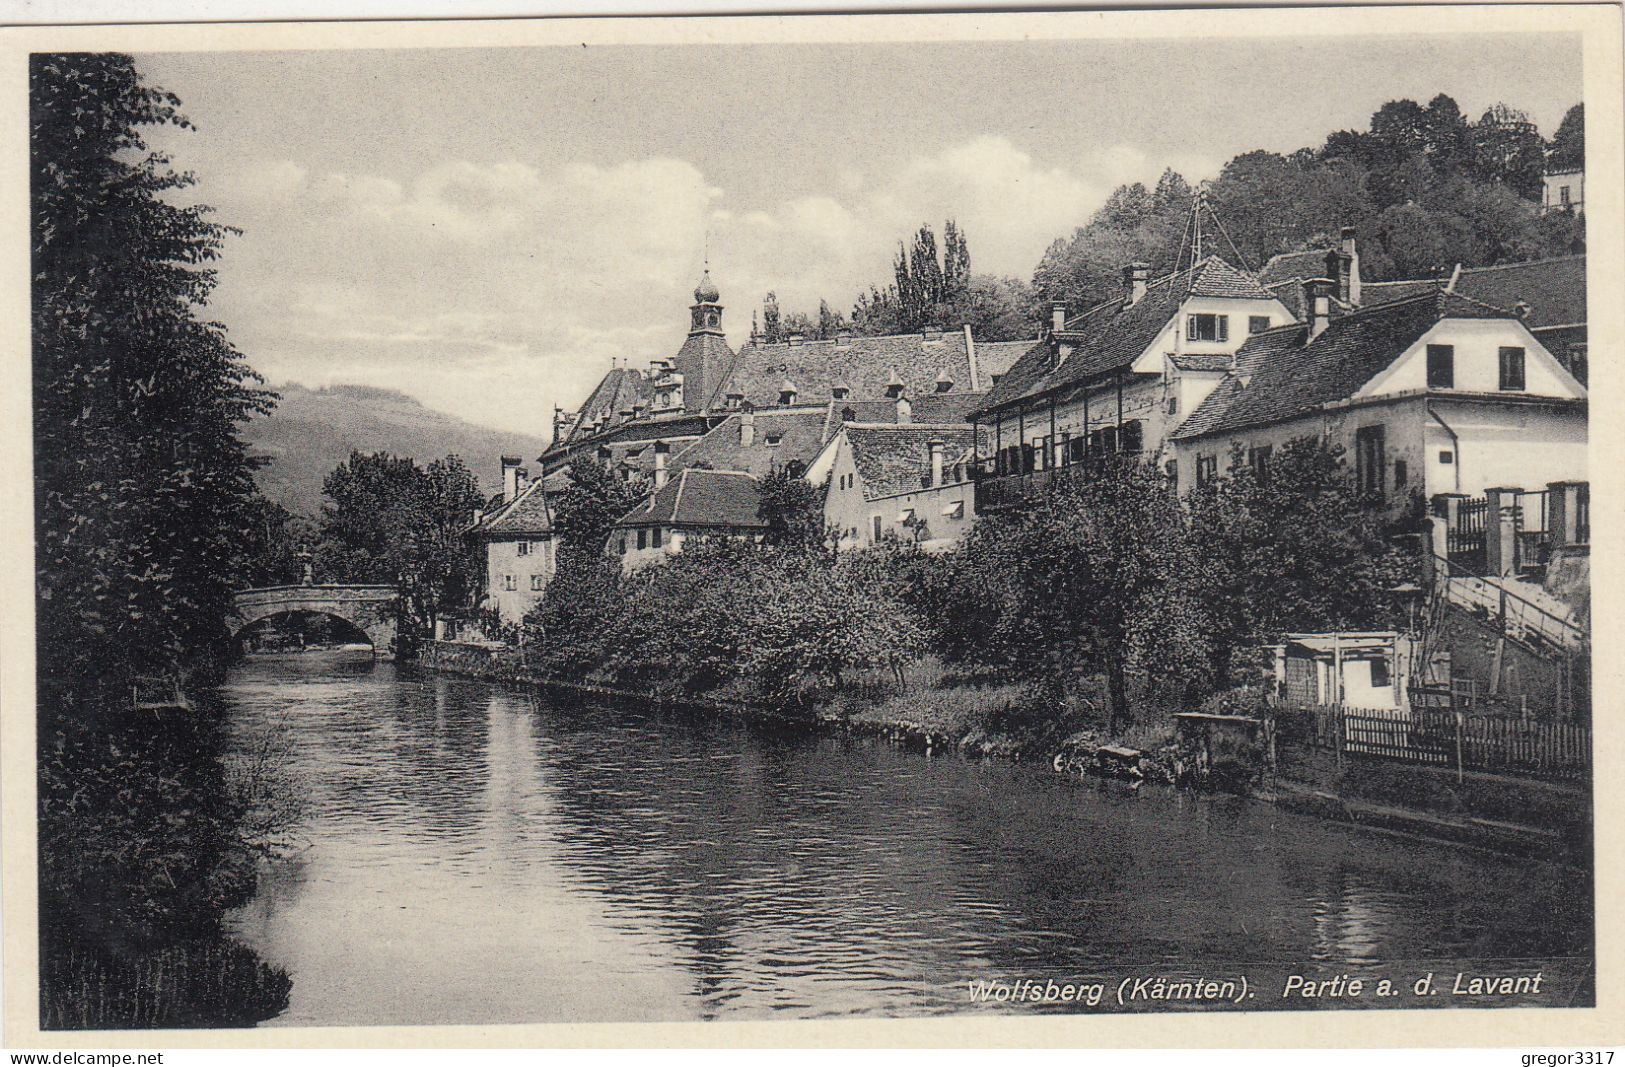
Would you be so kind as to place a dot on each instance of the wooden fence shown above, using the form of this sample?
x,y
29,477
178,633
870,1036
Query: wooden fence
x,y
1498,744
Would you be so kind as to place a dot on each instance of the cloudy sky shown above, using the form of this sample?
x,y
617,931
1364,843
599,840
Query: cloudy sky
x,y
487,229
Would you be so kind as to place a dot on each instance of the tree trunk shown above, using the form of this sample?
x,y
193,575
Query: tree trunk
x,y
1117,685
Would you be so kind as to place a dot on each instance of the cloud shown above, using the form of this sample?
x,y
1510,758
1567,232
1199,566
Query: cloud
x,y
494,290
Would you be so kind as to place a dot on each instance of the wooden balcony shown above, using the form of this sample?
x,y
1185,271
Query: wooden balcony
x,y
1001,492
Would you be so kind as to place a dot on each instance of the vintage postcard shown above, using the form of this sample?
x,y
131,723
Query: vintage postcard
x,y
1053,528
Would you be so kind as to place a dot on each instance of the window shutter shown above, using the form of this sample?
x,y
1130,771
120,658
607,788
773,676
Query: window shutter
x,y
1224,327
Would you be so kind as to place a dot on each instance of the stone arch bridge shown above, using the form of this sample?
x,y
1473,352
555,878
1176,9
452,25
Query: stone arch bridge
x,y
369,608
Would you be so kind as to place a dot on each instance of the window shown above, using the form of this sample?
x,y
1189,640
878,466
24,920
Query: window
x,y
773,439
787,396
1173,403
1512,369
1207,327
1369,444
841,392
623,544
1259,460
509,582
1131,436
524,548
536,583
1171,468
654,537
1380,677
1441,366
1402,474
877,527
1257,323
643,538
1207,470
1563,195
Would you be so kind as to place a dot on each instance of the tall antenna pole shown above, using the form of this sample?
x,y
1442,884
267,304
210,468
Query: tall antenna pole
x,y
1196,238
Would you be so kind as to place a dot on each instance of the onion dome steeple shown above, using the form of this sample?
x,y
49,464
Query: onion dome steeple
x,y
707,309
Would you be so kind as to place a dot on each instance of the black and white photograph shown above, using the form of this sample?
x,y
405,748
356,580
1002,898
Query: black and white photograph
x,y
757,520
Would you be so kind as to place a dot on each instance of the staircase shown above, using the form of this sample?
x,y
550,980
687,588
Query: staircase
x,y
1523,610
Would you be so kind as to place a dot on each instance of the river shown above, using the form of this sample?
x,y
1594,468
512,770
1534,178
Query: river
x,y
481,854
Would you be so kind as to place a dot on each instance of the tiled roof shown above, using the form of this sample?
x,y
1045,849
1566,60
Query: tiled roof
x,y
864,366
897,459
703,361
800,433
527,514
1110,337
1375,293
1294,266
1555,289
1279,378
698,497
995,358
1201,361
1291,293
622,389
935,407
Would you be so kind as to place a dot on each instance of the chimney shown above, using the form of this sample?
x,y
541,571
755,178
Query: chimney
x,y
1135,278
905,410
510,478
661,448
1057,317
747,427
1523,309
1320,305
523,479
936,461
1352,251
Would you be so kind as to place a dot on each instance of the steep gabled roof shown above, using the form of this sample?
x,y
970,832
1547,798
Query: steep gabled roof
x,y
699,497
865,366
1554,289
897,459
1278,377
800,432
529,514
622,389
1110,337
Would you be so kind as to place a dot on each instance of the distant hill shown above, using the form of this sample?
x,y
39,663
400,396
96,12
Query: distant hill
x,y
314,430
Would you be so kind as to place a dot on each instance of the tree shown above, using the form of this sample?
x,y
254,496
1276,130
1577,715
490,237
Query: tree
x,y
274,540
1291,547
589,507
772,330
393,522
1507,148
793,509
1092,579
1567,150
143,496
142,485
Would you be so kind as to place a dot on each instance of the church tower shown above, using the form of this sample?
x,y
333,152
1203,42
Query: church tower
x,y
706,312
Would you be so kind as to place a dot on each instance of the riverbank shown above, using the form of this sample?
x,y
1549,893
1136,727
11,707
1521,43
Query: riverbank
x,y
985,720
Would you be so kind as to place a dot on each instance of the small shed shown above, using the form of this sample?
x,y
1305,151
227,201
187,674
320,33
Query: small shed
x,y
1357,670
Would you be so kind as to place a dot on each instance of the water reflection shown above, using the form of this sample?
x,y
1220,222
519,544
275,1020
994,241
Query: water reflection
x,y
483,855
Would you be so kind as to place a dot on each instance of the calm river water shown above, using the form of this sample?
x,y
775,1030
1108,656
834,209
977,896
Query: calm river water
x,y
479,854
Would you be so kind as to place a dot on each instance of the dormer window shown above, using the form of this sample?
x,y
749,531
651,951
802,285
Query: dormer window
x,y
1205,327
894,391
787,396
773,439
734,400
840,392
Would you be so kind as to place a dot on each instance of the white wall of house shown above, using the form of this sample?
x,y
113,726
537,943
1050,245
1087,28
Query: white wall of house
x,y
948,510
517,573
1504,445
1477,345
1176,336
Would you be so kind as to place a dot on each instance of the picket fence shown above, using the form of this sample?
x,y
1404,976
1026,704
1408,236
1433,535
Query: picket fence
x,y
1501,744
